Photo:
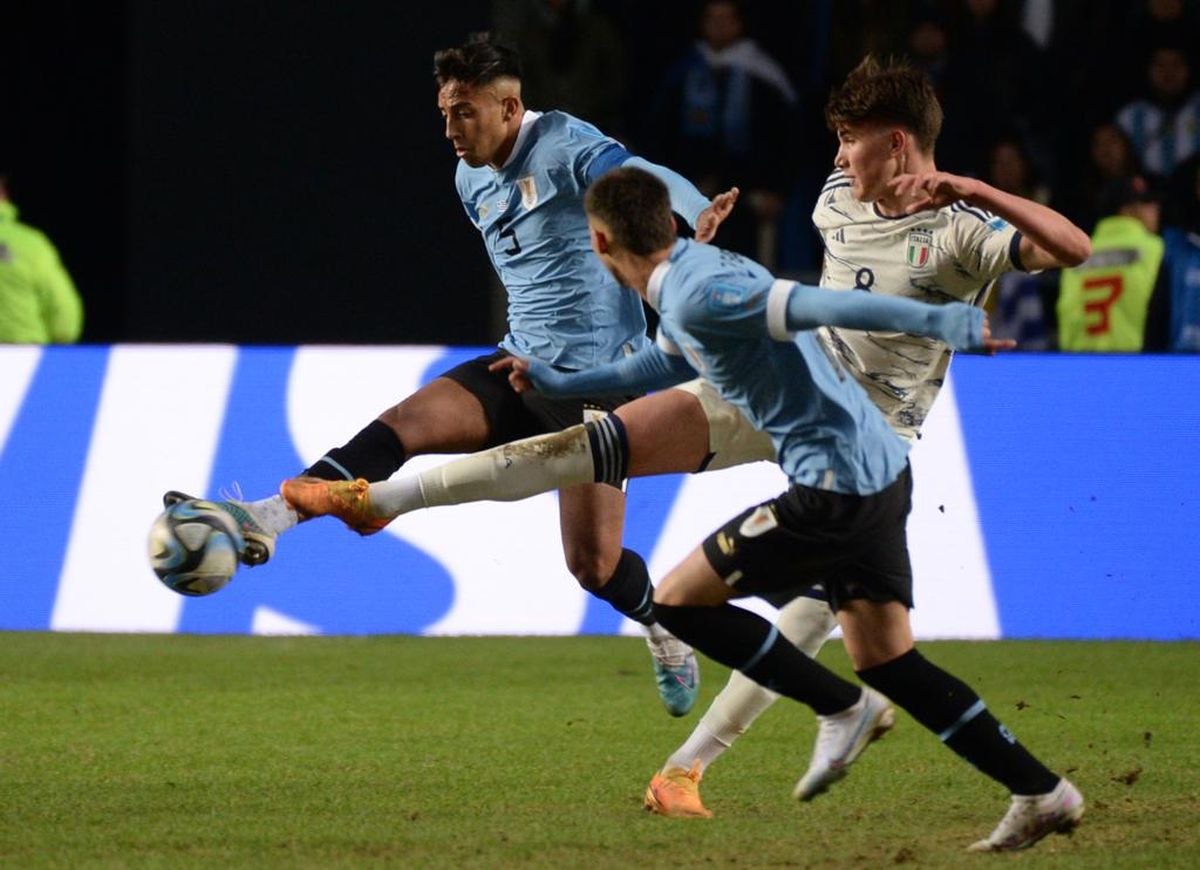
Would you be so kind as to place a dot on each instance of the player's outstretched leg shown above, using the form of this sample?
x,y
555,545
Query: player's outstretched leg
x,y
254,520
1032,817
1042,801
806,622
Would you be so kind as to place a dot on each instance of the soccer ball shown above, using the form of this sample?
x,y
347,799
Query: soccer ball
x,y
194,547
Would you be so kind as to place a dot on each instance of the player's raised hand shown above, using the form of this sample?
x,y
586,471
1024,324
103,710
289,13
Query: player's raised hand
x,y
711,217
931,189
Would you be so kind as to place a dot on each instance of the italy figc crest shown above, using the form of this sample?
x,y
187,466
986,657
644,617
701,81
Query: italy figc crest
x,y
920,248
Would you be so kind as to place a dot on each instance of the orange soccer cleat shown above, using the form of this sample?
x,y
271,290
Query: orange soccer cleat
x,y
675,792
348,500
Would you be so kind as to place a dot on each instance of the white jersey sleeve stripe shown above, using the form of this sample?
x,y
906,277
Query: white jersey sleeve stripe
x,y
777,300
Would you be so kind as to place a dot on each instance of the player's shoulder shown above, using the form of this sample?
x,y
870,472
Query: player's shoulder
x,y
699,268
835,203
559,123
974,218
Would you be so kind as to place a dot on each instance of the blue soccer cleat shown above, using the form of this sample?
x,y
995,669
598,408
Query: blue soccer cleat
x,y
675,670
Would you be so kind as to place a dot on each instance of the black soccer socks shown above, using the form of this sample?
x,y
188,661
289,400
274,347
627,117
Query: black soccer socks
x,y
745,641
950,709
629,589
375,454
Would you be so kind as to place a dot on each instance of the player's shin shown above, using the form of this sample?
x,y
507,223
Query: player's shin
x,y
746,642
591,453
951,709
375,453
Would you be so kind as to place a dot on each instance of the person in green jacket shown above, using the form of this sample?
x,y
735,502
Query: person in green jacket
x,y
38,301
1105,302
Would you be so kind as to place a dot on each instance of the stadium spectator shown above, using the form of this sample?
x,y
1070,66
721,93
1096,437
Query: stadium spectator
x,y
1104,303
38,300
1017,304
992,67
724,114
1158,22
1164,123
1109,157
571,54
1181,264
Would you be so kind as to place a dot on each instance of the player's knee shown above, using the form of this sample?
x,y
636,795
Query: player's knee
x,y
671,592
401,420
591,568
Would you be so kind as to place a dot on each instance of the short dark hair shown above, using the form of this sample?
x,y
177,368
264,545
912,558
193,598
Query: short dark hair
x,y
894,93
478,61
636,207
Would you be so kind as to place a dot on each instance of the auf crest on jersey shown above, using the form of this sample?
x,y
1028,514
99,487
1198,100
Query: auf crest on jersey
x,y
529,191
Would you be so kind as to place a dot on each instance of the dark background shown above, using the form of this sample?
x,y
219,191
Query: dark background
x,y
263,172
247,172
275,172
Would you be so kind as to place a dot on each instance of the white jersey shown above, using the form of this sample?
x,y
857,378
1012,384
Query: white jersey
x,y
953,254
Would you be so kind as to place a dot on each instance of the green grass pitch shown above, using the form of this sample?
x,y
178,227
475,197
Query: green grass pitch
x,y
169,751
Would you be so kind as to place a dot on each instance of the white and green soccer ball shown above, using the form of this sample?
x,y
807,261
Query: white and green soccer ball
x,y
194,547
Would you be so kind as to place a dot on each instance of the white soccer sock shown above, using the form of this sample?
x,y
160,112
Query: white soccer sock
x,y
509,472
273,514
390,498
702,745
806,622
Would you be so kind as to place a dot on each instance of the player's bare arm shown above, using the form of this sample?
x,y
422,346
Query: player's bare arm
x,y
715,214
1049,240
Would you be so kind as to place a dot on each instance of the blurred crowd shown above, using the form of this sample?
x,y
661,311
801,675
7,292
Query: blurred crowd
x,y
1089,106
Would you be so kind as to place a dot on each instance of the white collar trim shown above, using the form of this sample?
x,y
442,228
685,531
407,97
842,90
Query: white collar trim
x,y
654,286
526,123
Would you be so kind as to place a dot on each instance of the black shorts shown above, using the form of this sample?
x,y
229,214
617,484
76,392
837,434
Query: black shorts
x,y
855,546
511,415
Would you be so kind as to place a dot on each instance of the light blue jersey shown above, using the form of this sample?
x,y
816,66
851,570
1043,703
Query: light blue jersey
x,y
563,305
721,311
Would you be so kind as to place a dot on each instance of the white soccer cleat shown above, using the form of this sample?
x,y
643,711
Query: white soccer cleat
x,y
841,738
258,541
1031,817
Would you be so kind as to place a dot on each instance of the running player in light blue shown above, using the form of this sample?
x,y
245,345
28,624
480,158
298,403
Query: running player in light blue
x,y
842,521
521,176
